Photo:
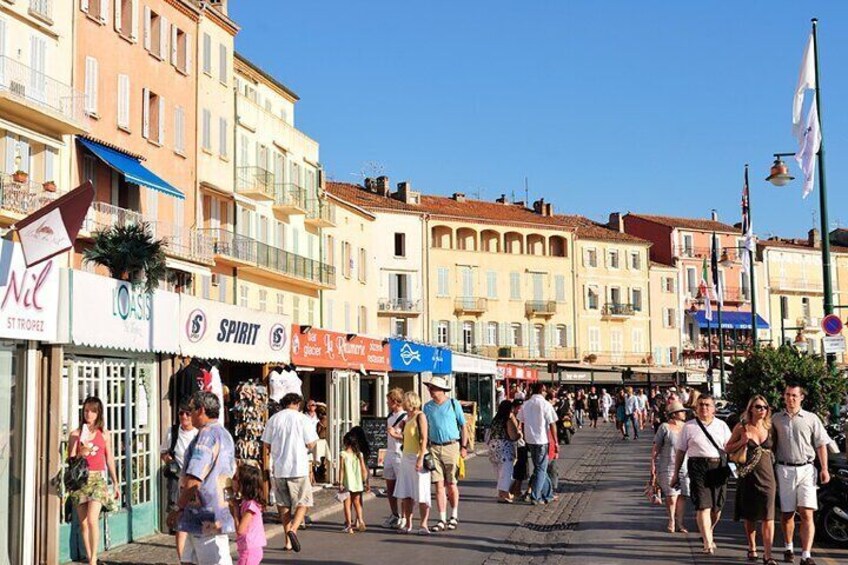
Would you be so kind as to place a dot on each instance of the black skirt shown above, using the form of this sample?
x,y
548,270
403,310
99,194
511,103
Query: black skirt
x,y
708,483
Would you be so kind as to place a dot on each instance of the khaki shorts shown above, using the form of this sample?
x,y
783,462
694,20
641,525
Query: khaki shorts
x,y
201,550
293,492
446,458
797,487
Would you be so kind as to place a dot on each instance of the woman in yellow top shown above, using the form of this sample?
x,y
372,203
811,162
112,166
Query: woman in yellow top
x,y
413,482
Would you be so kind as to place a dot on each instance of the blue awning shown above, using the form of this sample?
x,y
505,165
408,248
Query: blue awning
x,y
131,168
729,320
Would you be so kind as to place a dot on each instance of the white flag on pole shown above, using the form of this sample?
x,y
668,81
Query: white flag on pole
x,y
806,81
809,141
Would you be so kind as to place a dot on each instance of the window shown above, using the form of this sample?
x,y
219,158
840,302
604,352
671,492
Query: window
x,y
180,45
362,325
155,33
688,246
347,316
347,260
400,328
515,286
243,295
668,284
126,18
467,336
442,333
153,117
515,335
263,300
222,64
746,287
400,245
637,341
669,318
784,307
590,258
89,167
96,9
492,284
635,260
123,101
559,288
330,251
492,333
636,299
310,308
223,128
592,298
179,130
692,281
207,54
363,265
613,259
562,336
91,68
206,131
443,286
594,339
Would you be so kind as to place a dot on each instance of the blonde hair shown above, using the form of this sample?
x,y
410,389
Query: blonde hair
x,y
694,395
411,400
396,395
749,411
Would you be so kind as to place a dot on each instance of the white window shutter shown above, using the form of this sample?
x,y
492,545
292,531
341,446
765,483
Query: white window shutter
x,y
84,6
10,153
147,30
174,45
222,63
123,100
91,85
134,20
161,139
25,155
49,164
118,15
145,114
188,49
163,37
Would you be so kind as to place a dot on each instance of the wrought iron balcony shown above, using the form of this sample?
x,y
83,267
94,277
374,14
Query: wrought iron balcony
x,y
250,253
320,213
38,99
618,358
399,306
289,198
540,308
796,284
23,196
255,182
471,305
614,309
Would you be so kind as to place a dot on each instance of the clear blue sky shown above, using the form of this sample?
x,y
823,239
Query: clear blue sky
x,y
605,106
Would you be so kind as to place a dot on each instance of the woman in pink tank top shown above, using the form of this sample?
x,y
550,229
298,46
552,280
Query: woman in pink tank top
x,y
91,441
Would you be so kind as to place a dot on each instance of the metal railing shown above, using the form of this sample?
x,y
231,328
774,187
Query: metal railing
x,y
41,90
254,180
321,210
266,256
618,358
540,307
41,9
471,304
290,195
399,305
23,197
786,283
616,309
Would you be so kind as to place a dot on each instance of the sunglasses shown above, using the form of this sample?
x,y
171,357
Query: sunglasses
x,y
185,413
759,407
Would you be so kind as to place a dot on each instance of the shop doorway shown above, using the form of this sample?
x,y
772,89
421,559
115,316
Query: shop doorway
x,y
343,410
12,406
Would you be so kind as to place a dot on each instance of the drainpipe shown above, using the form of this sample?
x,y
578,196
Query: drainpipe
x,y
235,164
425,219
574,294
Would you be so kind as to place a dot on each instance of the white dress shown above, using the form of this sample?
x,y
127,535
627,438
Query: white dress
x,y
410,482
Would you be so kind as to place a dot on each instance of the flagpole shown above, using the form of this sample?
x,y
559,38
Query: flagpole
x,y
825,224
721,348
751,265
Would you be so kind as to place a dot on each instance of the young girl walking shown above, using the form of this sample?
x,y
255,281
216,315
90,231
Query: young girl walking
x,y
250,532
353,481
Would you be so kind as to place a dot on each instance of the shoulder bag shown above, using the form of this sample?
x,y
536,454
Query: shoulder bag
x,y
172,469
724,471
740,456
428,463
76,475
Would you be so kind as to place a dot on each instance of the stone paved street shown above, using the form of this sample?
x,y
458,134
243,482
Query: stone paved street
x,y
600,518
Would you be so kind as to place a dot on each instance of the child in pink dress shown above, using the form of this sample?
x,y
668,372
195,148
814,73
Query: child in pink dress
x,y
250,531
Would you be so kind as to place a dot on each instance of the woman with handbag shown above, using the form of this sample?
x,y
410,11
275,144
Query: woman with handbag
x,y
91,442
172,452
503,434
413,481
750,447
662,465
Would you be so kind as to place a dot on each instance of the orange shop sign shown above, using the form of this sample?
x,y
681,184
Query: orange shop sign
x,y
333,350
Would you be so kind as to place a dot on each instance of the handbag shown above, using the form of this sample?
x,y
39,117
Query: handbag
x,y
172,469
723,472
76,475
740,456
428,463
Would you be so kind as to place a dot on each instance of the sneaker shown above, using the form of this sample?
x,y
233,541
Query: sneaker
x,y
391,522
401,523
788,556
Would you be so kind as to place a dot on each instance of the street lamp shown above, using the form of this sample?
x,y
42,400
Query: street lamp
x,y
779,174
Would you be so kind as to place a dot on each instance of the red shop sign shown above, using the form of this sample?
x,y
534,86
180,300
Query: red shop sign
x,y
333,350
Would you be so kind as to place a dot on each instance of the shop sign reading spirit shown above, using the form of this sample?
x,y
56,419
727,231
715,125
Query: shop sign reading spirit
x,y
30,296
312,347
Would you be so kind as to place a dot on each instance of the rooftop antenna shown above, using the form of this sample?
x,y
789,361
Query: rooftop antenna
x,y
526,192
513,196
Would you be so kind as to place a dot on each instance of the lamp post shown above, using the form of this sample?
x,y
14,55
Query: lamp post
x,y
780,176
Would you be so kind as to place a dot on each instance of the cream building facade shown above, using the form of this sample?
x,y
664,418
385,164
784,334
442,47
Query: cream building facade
x,y
665,319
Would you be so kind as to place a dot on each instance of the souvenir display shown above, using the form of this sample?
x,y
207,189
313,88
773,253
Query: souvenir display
x,y
249,414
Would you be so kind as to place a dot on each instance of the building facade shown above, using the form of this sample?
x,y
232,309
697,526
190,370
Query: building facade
x,y
665,318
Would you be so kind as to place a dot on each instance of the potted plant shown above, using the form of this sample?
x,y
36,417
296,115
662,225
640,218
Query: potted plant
x,y
49,186
130,253
591,358
20,176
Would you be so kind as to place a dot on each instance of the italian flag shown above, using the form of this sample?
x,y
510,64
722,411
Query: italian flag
x,y
704,291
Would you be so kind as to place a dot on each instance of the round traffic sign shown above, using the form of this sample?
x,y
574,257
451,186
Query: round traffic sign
x,y
831,324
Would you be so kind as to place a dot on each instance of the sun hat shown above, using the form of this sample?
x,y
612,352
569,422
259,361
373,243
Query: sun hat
x,y
438,381
675,407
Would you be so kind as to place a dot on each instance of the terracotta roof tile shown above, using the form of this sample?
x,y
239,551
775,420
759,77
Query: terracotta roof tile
x,y
588,229
701,224
797,244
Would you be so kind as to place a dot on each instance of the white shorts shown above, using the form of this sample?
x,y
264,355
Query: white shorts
x,y
797,487
207,550
391,466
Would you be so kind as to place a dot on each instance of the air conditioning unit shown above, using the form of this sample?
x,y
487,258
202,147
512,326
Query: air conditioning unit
x,y
215,279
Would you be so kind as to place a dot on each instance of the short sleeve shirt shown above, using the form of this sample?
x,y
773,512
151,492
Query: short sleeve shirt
x,y
444,420
395,420
537,415
210,458
798,436
287,433
254,537
696,444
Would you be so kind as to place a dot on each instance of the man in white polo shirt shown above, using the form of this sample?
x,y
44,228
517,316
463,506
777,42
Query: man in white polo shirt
x,y
799,436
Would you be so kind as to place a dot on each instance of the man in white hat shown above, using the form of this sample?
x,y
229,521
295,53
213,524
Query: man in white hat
x,y
448,440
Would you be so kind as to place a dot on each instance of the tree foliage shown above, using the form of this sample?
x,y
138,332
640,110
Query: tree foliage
x,y
766,370
130,253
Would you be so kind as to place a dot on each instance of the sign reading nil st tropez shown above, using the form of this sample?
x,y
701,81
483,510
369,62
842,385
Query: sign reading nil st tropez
x,y
412,357
29,297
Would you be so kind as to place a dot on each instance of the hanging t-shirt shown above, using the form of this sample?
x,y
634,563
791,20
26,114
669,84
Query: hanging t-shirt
x,y
283,383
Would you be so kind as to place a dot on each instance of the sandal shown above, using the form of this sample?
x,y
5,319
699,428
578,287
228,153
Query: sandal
x,y
439,527
752,555
453,523
682,530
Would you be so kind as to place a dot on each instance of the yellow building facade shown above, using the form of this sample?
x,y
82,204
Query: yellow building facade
x,y
664,298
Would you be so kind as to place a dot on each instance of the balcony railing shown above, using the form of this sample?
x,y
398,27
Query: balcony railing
x,y
288,196
401,305
616,309
320,212
23,197
42,9
540,307
471,305
249,250
38,89
179,241
737,294
255,181
784,283
617,358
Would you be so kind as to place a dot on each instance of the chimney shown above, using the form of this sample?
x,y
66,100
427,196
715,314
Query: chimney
x,y
406,194
813,238
459,196
382,186
502,199
616,222
543,208
714,215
